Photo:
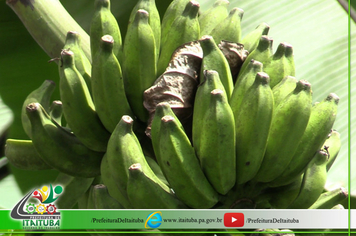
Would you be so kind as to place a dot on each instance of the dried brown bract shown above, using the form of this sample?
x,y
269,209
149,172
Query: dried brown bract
x,y
178,84
235,55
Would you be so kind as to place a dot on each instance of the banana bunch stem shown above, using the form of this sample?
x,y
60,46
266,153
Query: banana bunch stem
x,y
48,22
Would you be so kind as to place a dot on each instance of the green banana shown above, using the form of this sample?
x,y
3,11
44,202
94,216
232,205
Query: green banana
x,y
83,201
112,185
338,206
210,18
192,187
23,155
214,59
154,19
74,188
314,179
244,82
124,150
59,148
230,28
262,53
281,65
210,80
273,232
104,23
78,107
330,198
332,146
282,197
145,193
283,88
321,120
283,139
108,90
184,28
251,40
156,169
90,199
41,95
175,9
56,111
139,68
217,146
162,109
253,122
82,63
102,199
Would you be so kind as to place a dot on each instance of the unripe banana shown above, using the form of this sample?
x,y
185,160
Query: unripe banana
x,y
145,193
283,88
156,169
139,68
314,179
85,201
175,9
112,185
82,63
214,59
23,155
102,199
217,146
90,199
251,40
210,18
78,107
262,53
184,28
243,83
154,20
191,187
253,122
282,197
74,188
281,65
338,207
321,120
283,139
210,80
104,23
162,109
41,95
330,198
60,148
124,150
332,146
56,111
82,201
108,86
230,28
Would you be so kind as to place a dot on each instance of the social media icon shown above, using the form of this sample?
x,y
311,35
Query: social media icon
x,y
234,219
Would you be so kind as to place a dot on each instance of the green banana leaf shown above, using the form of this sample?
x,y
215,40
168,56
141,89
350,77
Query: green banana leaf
x,y
317,29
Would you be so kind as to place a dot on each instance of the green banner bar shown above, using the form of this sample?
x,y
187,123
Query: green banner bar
x,y
183,219
6,222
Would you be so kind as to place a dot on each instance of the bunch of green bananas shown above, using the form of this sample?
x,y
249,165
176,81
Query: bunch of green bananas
x,y
182,113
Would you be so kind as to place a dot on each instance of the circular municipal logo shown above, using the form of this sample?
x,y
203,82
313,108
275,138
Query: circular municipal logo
x,y
51,209
30,208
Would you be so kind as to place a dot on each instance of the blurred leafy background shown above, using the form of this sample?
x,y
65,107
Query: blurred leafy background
x,y
317,29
